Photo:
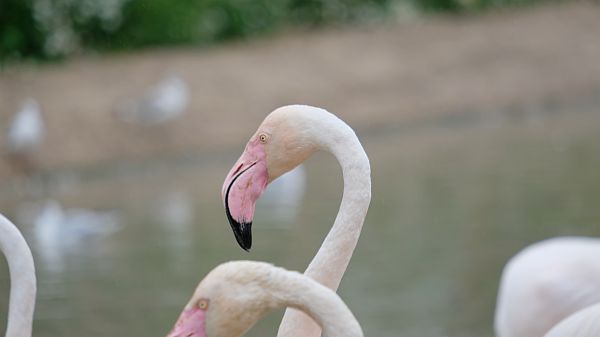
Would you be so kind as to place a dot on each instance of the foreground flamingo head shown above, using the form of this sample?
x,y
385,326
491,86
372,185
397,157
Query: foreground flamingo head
x,y
286,138
227,302
236,294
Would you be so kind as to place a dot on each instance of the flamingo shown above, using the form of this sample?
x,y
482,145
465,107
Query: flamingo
x,y
546,283
286,138
234,295
583,323
22,279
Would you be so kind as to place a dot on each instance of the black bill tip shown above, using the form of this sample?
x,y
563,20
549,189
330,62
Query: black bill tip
x,y
241,230
243,234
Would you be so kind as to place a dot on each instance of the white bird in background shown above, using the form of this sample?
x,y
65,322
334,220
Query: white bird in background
x,y
175,211
165,101
283,199
286,138
548,282
26,131
235,295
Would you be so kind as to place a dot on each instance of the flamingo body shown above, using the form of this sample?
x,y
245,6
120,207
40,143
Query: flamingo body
x,y
545,283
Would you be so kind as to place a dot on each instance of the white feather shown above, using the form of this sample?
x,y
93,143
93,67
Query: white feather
x,y
27,129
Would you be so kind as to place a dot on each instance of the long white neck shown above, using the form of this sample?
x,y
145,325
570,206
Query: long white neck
x,y
330,262
583,323
292,289
22,279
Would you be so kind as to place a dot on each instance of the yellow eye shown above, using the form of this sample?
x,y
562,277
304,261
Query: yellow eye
x,y
263,137
203,304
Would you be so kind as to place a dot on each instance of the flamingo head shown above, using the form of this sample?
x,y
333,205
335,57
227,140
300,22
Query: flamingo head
x,y
226,303
286,138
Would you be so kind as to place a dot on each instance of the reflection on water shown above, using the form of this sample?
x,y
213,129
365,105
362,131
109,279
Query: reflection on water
x,y
451,203
282,201
58,231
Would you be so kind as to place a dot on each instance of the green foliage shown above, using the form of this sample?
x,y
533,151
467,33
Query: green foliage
x,y
153,22
58,28
466,5
18,33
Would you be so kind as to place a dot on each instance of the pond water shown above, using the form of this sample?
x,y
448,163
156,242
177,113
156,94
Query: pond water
x,y
453,199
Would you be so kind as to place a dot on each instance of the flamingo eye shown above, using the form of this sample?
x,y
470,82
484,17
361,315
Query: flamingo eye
x,y
263,137
203,304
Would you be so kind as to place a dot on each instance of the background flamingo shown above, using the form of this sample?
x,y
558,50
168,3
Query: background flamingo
x,y
25,136
583,323
27,130
545,283
22,279
234,295
286,138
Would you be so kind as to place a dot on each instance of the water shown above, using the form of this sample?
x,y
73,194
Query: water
x,y
452,201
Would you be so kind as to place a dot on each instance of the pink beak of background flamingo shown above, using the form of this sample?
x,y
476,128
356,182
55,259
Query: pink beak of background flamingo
x,y
243,186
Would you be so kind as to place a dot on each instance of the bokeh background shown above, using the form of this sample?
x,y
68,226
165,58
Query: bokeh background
x,y
481,119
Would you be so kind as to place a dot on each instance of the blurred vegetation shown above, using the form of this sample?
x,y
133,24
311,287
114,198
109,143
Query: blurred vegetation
x,y
58,28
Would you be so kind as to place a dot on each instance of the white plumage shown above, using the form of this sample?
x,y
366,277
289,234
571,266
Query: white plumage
x,y
22,279
236,294
291,134
583,323
27,130
545,283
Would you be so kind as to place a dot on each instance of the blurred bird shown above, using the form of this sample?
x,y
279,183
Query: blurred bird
x,y
59,231
26,131
284,196
55,227
165,101
174,210
80,221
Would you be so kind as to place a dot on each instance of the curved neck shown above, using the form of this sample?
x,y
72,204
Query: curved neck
x,y
330,262
22,279
292,289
